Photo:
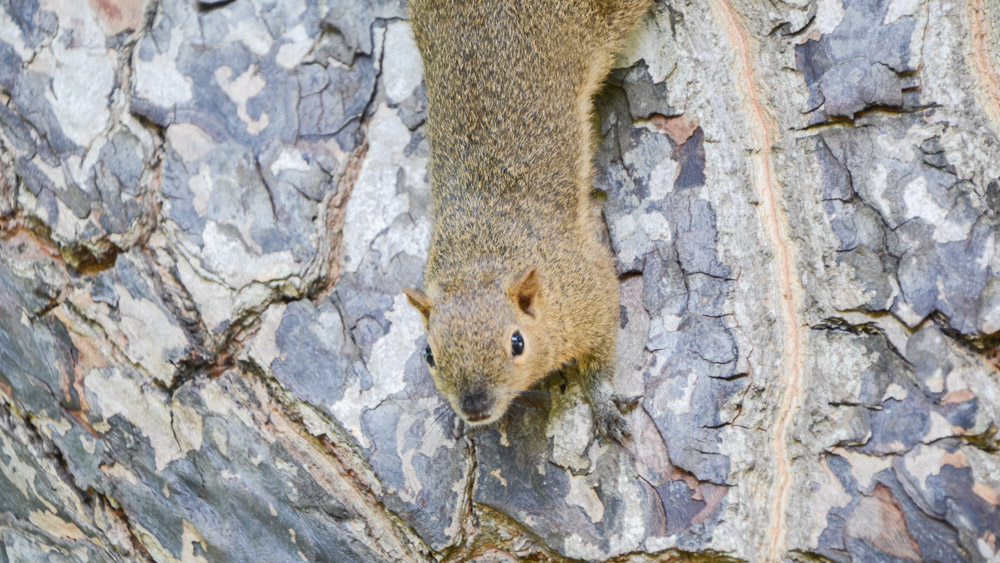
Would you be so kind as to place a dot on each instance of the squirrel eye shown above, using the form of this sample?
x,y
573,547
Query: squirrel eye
x,y
516,344
429,356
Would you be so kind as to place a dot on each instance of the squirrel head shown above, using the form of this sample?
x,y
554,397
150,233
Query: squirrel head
x,y
486,346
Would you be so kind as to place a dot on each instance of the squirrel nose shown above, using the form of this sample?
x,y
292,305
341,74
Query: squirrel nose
x,y
477,406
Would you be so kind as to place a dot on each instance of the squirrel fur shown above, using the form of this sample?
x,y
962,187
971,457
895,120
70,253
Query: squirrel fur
x,y
517,282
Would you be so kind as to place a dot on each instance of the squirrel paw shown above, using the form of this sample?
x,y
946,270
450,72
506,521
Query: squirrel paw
x,y
612,424
627,404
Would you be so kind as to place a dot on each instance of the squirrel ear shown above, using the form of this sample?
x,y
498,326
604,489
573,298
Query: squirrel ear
x,y
419,300
525,289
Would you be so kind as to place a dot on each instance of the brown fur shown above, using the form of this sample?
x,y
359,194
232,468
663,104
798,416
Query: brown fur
x,y
510,87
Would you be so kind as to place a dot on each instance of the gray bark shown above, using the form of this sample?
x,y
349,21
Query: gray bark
x,y
208,211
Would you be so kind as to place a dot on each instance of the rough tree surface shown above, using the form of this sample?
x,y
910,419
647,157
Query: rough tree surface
x,y
208,211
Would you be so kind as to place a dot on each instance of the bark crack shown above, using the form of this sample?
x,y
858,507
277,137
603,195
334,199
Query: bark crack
x,y
984,67
788,381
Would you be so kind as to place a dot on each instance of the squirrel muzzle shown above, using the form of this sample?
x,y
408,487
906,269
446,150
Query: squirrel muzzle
x,y
477,406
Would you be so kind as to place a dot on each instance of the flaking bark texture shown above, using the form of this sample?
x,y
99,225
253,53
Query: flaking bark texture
x,y
208,211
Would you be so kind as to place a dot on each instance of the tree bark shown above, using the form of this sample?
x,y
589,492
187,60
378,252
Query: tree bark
x,y
208,211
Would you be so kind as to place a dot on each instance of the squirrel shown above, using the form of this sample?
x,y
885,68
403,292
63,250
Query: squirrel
x,y
518,284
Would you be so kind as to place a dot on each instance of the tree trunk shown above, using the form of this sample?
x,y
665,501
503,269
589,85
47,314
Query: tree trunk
x,y
208,211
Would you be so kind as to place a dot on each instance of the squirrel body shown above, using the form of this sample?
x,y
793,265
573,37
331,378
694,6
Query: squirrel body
x,y
517,282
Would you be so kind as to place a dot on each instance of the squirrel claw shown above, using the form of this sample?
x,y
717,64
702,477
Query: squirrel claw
x,y
612,424
627,404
